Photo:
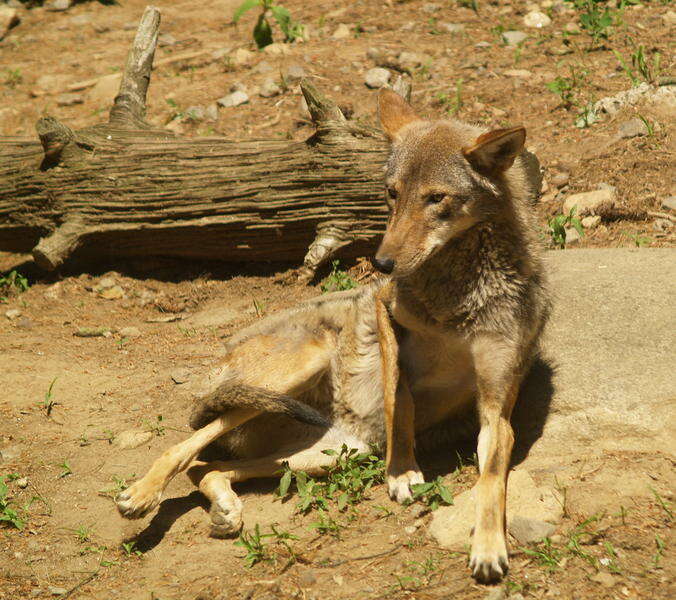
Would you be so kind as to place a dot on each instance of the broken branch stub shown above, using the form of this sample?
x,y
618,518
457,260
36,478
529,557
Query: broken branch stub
x,y
53,250
54,137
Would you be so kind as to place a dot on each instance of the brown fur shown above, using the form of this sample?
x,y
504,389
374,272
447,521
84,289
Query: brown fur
x,y
383,364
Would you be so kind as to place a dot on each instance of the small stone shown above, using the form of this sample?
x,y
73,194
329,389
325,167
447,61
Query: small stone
x,y
341,32
113,293
57,591
411,529
375,54
526,530
497,593
104,283
69,99
263,67
408,26
270,89
536,19
132,438
514,38
482,45
430,7
130,332
238,86
105,90
235,99
590,222
195,113
377,77
19,555
560,179
452,28
221,53
605,579
408,61
307,578
587,203
669,203
631,129
101,27
669,18
520,73
242,57
24,323
662,225
166,39
8,19
87,332
277,49
572,28
294,74
13,313
572,236
58,5
22,483
179,376
211,113
9,453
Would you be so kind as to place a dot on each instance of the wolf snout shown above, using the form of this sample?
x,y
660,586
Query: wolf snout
x,y
383,264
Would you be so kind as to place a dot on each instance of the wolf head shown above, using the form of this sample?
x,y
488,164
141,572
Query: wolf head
x,y
442,178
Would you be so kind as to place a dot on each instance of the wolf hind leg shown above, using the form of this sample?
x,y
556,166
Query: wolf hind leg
x,y
214,478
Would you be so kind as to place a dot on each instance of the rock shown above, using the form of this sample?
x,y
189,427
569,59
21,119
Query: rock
x,y
588,202
483,45
669,18
631,129
221,53
53,590
270,89
341,32
536,19
58,5
526,530
24,323
662,225
22,483
130,332
211,113
611,105
166,39
408,61
195,113
294,74
560,179
591,222
13,313
306,578
452,28
101,27
431,7
497,593
180,376
410,529
514,38
87,332
377,77
69,99
9,453
520,73
235,99
277,49
52,83
242,57
263,67
112,293
572,236
605,579
572,28
105,90
8,19
451,525
132,438
669,203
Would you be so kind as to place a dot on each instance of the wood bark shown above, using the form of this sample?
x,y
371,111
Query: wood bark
x,y
125,189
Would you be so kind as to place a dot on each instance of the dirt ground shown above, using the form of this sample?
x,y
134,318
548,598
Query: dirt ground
x,y
65,399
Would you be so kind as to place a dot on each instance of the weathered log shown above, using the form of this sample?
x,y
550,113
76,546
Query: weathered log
x,y
125,189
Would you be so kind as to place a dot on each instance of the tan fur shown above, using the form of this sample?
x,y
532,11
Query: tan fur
x,y
381,365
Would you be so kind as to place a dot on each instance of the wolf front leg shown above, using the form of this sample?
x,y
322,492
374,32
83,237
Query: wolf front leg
x,y
498,370
401,466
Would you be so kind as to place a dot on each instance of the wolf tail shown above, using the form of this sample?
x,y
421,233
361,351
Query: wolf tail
x,y
238,395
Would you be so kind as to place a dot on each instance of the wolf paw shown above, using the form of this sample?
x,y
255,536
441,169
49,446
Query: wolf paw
x,y
399,486
489,564
226,516
136,502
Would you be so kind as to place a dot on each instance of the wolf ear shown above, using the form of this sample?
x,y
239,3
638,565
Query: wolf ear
x,y
495,151
394,112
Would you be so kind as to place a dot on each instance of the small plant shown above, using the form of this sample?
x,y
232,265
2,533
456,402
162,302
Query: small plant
x,y
12,283
65,470
663,504
643,67
252,542
157,428
327,525
130,549
48,403
649,126
583,535
659,552
452,102
472,4
337,280
594,20
586,116
433,493
8,514
421,574
559,223
13,77
563,87
83,534
546,555
119,485
262,32
639,240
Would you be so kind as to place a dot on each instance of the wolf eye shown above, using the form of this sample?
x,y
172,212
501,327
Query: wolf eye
x,y
391,193
435,198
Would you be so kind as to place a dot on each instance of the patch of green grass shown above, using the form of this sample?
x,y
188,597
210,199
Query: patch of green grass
x,y
644,66
596,18
419,574
559,223
326,524
12,283
8,513
119,485
256,548
433,493
659,551
157,428
49,403
83,533
129,548
451,102
663,504
546,555
262,31
13,77
65,470
337,280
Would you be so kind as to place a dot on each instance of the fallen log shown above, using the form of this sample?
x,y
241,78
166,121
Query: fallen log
x,y
126,189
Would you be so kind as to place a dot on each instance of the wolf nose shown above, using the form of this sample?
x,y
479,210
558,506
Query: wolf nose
x,y
384,265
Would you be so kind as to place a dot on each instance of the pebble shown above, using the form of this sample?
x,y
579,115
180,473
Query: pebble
x,y
101,27
377,77
453,28
235,99
590,222
411,529
221,53
130,332
572,236
560,179
104,283
112,293
9,453
56,591
69,99
58,5
631,129
588,202
536,19
8,19
242,57
270,89
179,376
294,74
341,32
13,313
526,530
662,225
408,61
519,73
22,483
211,113
497,593
431,7
669,18
87,332
195,113
669,203
166,39
514,38
605,579
132,438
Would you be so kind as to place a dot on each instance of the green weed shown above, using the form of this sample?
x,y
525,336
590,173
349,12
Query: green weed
x,y
659,552
559,223
420,574
83,534
337,280
546,555
257,550
12,283
665,507
452,102
13,77
262,32
433,493
157,428
643,66
119,485
594,19
49,403
8,514
130,549
65,470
